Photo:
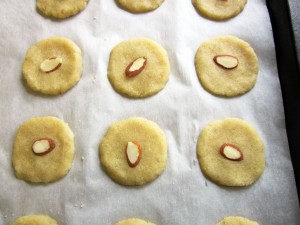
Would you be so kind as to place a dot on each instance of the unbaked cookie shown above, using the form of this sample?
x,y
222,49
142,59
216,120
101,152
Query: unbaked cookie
x,y
35,220
219,9
138,68
139,6
60,9
133,151
43,150
226,66
231,152
236,220
52,66
134,221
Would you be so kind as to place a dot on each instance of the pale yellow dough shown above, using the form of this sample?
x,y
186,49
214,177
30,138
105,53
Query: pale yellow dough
x,y
219,9
60,9
221,170
226,82
35,220
59,81
134,221
154,151
139,6
236,220
49,167
151,80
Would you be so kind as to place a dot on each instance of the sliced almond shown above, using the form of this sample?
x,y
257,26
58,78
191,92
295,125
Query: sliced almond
x,y
51,64
231,152
133,153
43,146
226,61
136,67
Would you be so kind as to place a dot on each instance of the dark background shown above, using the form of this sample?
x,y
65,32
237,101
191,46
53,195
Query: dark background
x,y
285,19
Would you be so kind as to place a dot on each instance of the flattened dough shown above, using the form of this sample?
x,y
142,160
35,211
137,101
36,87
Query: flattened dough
x,y
226,82
60,80
236,220
60,9
49,167
219,9
134,221
226,172
151,80
154,151
139,6
35,220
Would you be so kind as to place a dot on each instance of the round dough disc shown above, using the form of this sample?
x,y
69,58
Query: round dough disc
x,y
219,9
35,220
151,80
236,220
221,81
134,221
60,9
60,80
221,170
112,151
139,6
46,168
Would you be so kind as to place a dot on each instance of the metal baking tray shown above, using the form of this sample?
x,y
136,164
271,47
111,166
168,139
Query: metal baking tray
x,y
285,19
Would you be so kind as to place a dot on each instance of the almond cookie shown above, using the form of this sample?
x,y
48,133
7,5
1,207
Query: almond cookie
x,y
231,152
138,68
134,221
219,9
60,9
133,151
52,66
226,66
139,6
35,220
236,220
43,150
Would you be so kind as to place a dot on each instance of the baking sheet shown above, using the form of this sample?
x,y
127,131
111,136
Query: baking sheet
x,y
181,195
285,20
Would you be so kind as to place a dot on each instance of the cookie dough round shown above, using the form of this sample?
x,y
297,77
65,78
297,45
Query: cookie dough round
x,y
222,170
139,6
43,168
66,73
134,221
221,81
35,220
112,151
60,9
150,80
236,220
219,9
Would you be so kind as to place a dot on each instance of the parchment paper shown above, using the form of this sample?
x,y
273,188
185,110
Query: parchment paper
x,y
181,195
